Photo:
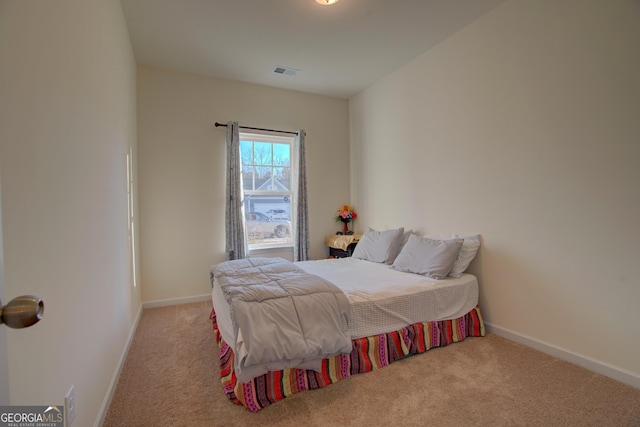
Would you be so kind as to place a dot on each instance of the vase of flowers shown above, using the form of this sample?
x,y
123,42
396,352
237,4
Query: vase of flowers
x,y
345,215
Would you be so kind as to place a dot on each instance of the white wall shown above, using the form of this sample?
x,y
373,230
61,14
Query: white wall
x,y
67,79
5,397
182,169
523,127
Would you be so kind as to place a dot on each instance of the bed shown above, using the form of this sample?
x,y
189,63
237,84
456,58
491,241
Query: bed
x,y
390,314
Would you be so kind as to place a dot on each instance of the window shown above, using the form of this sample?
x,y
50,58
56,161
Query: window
x,y
267,186
131,216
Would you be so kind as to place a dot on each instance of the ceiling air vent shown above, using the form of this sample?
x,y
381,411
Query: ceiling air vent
x,y
286,71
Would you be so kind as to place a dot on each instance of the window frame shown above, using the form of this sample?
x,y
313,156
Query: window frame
x,y
131,217
257,137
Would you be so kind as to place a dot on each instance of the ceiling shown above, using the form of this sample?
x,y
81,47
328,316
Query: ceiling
x,y
336,50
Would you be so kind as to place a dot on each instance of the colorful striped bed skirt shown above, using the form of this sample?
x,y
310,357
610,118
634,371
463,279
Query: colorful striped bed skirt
x,y
367,354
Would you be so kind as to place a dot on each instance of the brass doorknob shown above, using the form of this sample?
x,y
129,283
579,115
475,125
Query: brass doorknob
x,y
22,312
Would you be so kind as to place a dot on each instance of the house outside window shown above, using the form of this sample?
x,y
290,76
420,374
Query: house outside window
x,y
267,185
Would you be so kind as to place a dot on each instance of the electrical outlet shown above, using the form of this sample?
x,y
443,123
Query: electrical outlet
x,y
69,407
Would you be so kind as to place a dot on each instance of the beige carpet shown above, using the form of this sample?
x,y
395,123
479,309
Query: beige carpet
x,y
170,378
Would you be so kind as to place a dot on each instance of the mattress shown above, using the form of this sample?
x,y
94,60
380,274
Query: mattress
x,y
380,299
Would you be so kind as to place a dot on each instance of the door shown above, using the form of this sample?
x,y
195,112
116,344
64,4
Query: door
x,y
4,364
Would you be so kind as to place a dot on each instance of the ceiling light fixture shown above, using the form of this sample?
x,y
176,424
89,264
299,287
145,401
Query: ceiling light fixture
x,y
327,2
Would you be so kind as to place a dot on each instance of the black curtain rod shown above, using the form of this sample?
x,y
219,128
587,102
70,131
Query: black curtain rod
x,y
267,130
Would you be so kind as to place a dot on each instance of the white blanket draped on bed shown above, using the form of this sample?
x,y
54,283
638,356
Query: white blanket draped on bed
x,y
382,299
281,315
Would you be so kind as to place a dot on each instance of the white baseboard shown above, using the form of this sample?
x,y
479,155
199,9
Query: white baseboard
x,y
102,413
603,368
176,301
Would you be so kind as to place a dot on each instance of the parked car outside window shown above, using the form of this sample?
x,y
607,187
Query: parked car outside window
x,y
259,224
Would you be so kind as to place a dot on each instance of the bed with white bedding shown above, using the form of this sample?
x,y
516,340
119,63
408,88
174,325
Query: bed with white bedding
x,y
391,314
382,299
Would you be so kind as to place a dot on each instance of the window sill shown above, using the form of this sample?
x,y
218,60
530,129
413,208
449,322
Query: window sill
x,y
285,251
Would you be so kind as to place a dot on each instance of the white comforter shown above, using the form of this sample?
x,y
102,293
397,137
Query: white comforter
x,y
281,315
382,299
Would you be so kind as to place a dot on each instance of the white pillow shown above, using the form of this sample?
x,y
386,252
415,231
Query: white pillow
x,y
429,257
405,238
467,253
379,246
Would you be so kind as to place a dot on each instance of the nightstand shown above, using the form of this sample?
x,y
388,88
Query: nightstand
x,y
341,246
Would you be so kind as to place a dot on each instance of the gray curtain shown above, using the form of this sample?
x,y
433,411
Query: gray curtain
x,y
236,241
301,240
